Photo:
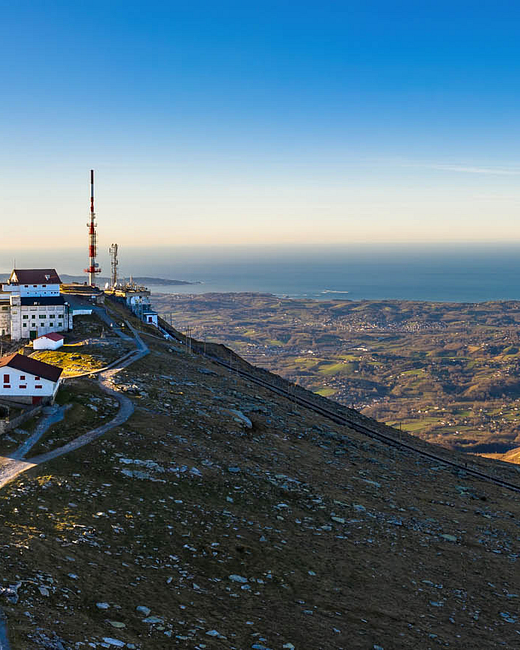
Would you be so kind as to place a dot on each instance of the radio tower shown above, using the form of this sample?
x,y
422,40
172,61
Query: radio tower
x,y
113,263
93,266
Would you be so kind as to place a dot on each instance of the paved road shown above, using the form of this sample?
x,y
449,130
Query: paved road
x,y
114,325
12,467
57,415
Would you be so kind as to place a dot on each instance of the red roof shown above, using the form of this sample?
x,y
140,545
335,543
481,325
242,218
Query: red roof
x,y
53,336
34,276
31,366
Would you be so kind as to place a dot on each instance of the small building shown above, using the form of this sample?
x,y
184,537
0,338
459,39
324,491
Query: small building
x,y
150,317
51,341
137,299
28,381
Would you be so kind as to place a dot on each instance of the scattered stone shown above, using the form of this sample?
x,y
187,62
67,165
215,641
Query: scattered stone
x,y
113,642
153,619
236,578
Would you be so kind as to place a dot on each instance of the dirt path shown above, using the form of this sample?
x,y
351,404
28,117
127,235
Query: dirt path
x,y
12,467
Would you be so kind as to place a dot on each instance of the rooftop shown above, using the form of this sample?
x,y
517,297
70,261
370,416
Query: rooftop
x,y
34,276
53,336
31,366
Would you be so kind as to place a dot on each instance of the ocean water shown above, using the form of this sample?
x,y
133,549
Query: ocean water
x,y
474,273
440,272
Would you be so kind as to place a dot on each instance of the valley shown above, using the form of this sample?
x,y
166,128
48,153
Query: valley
x,y
447,372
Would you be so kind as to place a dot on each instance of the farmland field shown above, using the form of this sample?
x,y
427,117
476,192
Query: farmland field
x,y
447,372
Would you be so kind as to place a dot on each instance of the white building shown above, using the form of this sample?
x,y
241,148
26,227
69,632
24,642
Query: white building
x,y
150,317
51,341
31,305
33,282
28,381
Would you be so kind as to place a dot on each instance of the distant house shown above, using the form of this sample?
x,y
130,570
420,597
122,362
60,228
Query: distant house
x,y
31,304
150,317
28,381
51,341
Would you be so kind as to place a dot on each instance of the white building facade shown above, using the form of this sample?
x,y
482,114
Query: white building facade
x,y
34,306
51,341
28,381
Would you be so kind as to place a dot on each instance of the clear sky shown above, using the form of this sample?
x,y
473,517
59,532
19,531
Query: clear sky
x,y
212,122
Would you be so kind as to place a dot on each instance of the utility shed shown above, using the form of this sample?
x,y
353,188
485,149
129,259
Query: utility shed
x,y
28,381
51,341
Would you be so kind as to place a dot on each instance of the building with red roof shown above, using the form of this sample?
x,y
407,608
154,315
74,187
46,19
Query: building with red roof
x,y
28,381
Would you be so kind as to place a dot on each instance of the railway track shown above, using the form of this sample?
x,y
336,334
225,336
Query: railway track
x,y
351,424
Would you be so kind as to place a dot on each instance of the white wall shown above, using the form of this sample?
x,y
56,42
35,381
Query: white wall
x,y
48,388
46,344
21,327
28,290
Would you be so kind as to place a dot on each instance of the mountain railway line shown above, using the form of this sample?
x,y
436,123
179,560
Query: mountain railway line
x,y
343,421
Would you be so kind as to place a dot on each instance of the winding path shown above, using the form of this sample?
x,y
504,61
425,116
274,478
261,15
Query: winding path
x,y
11,467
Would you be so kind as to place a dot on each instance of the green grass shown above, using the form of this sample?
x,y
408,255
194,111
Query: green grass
x,y
326,392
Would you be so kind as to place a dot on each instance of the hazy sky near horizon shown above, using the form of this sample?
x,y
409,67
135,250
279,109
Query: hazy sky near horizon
x,y
234,122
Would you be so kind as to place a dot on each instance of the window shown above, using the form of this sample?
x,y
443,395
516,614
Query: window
x,y
51,324
38,386
22,377
26,286
25,324
33,315
44,285
25,386
6,379
37,379
43,316
25,317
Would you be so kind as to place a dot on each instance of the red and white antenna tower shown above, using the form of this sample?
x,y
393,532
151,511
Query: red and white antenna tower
x,y
93,266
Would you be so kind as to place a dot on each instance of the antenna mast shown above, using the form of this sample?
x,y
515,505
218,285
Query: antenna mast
x,y
113,263
93,266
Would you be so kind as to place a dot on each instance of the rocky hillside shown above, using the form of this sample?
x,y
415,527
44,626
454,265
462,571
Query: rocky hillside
x,y
223,516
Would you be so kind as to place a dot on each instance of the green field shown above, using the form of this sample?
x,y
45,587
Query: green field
x,y
446,372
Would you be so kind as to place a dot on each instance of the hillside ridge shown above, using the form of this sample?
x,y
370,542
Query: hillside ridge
x,y
223,515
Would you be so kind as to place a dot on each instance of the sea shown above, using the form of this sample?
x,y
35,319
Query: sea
x,y
473,272
442,273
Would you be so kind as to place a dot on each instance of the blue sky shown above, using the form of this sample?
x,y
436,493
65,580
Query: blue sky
x,y
259,123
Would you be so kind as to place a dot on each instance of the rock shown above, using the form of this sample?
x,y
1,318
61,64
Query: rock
x,y
237,578
243,419
113,642
117,624
152,619
212,633
449,538
43,590
102,605
143,610
339,520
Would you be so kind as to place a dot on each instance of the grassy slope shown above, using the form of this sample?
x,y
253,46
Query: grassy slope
x,y
262,507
